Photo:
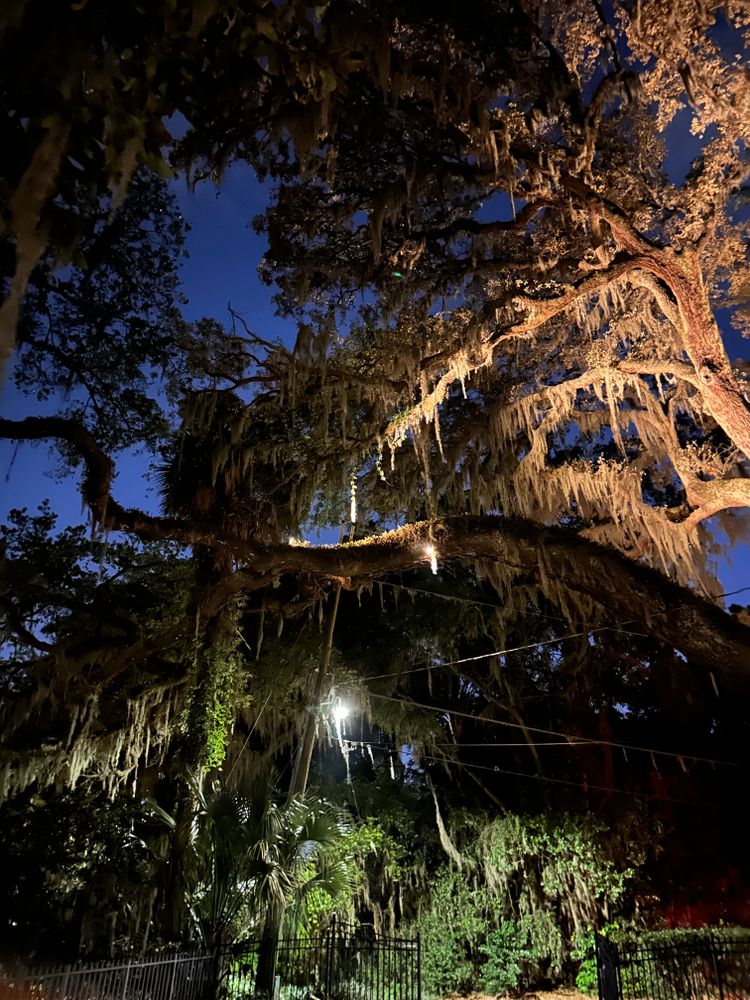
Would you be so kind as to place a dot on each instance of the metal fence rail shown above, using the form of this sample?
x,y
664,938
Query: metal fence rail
x,y
702,967
342,963
182,976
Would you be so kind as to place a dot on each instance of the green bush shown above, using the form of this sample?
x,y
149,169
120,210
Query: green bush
x,y
503,918
676,977
452,929
506,949
678,972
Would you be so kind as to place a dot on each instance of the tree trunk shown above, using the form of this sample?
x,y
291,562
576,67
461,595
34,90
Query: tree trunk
x,y
173,914
269,946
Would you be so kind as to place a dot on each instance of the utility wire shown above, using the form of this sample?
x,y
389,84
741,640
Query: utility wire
x,y
619,627
577,784
247,740
489,604
541,777
501,652
569,737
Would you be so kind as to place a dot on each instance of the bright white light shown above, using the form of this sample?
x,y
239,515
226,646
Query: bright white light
x,y
431,552
340,712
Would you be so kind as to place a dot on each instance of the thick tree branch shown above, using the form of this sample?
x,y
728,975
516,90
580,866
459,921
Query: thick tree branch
x,y
631,592
715,496
15,624
466,362
476,228
681,274
25,208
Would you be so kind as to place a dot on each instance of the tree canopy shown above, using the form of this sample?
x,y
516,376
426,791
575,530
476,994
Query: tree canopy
x,y
508,369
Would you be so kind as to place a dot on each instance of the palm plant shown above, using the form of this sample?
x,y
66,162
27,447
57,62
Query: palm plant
x,y
252,855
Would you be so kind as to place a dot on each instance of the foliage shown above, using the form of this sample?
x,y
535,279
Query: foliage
x,y
85,603
584,951
451,929
217,697
502,917
249,851
105,334
507,361
677,978
504,301
505,951
77,876
370,858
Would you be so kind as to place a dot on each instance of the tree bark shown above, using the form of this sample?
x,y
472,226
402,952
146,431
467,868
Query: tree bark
x,y
26,205
269,944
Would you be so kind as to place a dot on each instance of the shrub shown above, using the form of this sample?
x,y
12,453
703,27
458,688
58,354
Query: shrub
x,y
506,949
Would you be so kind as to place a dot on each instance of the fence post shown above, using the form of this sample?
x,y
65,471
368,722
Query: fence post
x,y
607,969
172,976
328,979
419,966
68,969
716,965
124,995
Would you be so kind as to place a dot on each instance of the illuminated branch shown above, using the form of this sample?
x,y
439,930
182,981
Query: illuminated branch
x,y
628,590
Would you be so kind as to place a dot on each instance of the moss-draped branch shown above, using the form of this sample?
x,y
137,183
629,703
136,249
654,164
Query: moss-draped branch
x,y
634,596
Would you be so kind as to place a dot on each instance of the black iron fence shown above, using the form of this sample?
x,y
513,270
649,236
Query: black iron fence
x,y
342,963
182,976
701,966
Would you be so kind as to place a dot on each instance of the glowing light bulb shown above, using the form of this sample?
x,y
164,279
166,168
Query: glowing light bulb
x,y
431,552
340,712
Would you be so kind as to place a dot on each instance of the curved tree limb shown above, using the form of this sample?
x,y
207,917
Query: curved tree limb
x,y
537,313
631,592
14,622
681,274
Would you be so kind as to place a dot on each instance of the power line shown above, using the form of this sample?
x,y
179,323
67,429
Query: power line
x,y
577,784
510,649
532,645
569,737
247,740
541,777
535,611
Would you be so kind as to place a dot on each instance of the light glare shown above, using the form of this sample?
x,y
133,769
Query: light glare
x,y
340,712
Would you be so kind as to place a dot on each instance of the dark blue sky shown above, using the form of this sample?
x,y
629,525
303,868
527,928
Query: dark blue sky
x,y
222,268
224,253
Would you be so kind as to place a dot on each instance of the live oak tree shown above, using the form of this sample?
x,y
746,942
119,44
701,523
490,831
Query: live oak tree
x,y
507,353
94,334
